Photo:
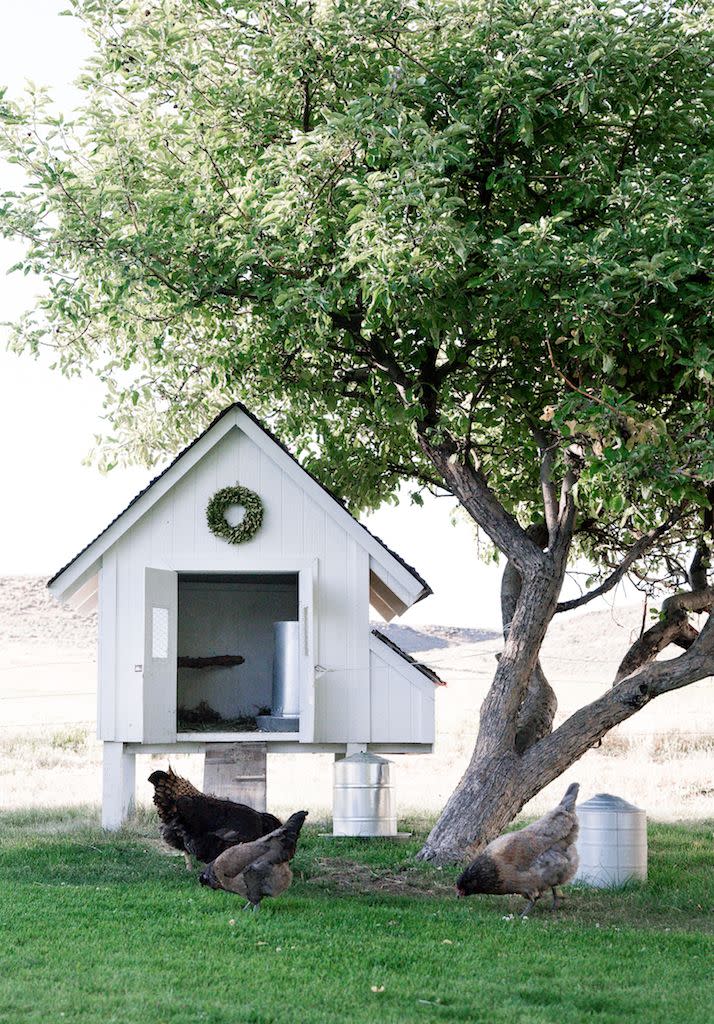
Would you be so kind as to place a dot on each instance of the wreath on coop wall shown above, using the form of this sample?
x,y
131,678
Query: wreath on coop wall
x,y
222,501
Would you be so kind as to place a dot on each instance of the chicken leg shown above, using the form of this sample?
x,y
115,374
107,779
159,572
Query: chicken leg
x,y
530,904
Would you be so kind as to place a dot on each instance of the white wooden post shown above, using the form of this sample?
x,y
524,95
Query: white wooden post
x,y
118,784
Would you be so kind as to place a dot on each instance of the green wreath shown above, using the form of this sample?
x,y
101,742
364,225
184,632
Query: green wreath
x,y
249,525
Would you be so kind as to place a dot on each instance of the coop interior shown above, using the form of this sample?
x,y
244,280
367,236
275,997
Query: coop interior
x,y
227,647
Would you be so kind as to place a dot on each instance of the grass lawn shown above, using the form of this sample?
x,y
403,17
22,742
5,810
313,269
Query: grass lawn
x,y
111,929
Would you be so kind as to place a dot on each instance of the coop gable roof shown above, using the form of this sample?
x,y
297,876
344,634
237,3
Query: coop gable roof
x,y
394,585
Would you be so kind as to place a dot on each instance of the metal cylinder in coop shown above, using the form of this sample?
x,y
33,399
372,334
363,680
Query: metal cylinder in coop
x,y
286,670
364,800
612,842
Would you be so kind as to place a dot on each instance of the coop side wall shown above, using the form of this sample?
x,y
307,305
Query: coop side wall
x,y
402,699
173,535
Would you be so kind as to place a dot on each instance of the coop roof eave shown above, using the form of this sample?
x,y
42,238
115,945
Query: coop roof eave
x,y
382,644
399,584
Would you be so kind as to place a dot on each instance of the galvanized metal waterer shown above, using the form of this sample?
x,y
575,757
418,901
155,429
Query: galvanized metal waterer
x,y
364,802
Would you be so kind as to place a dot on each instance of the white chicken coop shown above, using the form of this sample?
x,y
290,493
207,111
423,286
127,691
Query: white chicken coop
x,y
197,630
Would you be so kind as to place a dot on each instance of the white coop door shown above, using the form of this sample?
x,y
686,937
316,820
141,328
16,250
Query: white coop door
x,y
306,607
160,650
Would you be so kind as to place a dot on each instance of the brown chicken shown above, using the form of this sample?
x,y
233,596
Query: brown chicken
x,y
259,869
200,825
540,856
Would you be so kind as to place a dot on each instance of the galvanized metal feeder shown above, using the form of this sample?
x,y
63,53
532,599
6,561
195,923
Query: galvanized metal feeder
x,y
612,843
285,715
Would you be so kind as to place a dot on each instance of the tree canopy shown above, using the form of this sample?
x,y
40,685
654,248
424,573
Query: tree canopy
x,y
465,243
370,220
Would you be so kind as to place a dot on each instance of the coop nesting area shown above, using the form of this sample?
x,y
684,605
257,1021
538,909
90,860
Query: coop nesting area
x,y
225,658
204,718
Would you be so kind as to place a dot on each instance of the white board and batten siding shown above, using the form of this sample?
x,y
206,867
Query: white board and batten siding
x,y
298,535
353,688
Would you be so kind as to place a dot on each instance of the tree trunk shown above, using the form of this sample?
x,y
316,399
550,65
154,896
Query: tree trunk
x,y
499,780
490,794
517,711
516,753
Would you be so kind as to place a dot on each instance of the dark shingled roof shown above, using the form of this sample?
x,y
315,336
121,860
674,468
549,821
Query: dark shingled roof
x,y
429,673
426,591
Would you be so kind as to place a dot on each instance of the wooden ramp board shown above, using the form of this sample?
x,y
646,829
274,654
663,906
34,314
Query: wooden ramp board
x,y
237,771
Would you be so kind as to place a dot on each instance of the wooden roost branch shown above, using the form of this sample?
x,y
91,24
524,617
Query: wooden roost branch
x,y
215,661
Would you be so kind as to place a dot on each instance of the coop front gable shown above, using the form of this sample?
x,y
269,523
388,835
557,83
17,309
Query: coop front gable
x,y
305,530
298,534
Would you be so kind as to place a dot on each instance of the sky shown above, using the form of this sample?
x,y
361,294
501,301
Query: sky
x,y
51,505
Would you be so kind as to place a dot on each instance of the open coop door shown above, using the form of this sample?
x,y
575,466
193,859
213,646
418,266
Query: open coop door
x,y
160,653
306,608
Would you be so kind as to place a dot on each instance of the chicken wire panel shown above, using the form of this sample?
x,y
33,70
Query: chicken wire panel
x,y
159,632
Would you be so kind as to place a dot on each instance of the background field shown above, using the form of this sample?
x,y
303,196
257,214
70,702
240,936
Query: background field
x,y
660,760
111,929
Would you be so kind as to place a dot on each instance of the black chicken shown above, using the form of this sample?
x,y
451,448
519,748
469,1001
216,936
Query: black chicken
x,y
200,825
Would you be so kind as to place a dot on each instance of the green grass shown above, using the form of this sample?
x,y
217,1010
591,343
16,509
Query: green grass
x,y
111,929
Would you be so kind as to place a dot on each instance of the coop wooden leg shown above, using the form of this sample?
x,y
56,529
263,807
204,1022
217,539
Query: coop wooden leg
x,y
118,783
237,771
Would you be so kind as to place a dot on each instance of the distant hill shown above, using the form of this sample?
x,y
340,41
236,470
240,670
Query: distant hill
x,y
28,612
593,640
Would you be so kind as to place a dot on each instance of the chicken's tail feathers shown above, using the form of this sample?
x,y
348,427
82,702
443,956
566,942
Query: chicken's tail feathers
x,y
269,822
571,795
291,828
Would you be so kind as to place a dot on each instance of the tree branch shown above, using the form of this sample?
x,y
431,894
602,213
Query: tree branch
x,y
536,713
511,580
534,719
547,446
559,546
371,348
469,485
673,628
699,567
307,105
590,723
636,551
